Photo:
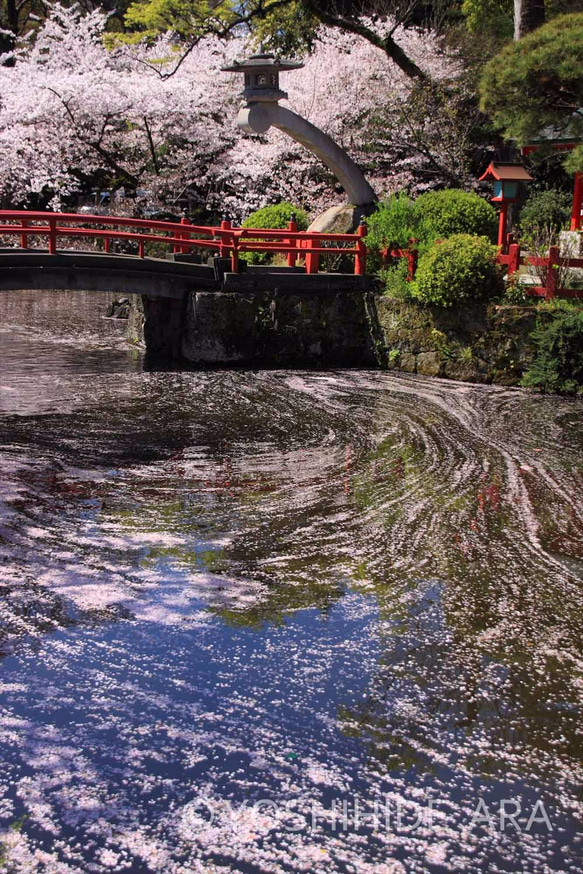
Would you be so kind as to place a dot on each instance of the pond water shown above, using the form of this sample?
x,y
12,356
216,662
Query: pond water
x,y
268,621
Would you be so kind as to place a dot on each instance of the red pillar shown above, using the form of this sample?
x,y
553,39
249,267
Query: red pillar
x,y
184,235
360,260
503,225
312,260
293,227
52,236
577,202
224,247
514,263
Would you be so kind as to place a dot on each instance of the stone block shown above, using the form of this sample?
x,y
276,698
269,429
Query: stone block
x,y
429,363
407,362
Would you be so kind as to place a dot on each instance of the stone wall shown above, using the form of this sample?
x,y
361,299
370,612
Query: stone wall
x,y
337,328
486,343
254,327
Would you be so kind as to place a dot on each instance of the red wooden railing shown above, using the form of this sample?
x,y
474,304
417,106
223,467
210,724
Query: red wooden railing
x,y
512,257
226,240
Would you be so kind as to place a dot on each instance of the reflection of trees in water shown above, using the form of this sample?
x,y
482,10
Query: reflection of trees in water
x,y
439,701
29,609
238,465
488,657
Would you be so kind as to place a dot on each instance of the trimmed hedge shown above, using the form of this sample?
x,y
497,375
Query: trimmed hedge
x,y
435,215
275,216
457,270
449,212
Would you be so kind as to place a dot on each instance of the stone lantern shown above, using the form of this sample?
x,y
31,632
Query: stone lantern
x,y
506,179
261,111
262,77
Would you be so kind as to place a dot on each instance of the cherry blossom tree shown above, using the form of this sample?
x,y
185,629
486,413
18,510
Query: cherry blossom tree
x,y
72,111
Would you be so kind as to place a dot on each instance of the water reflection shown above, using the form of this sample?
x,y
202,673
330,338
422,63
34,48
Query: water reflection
x,y
295,587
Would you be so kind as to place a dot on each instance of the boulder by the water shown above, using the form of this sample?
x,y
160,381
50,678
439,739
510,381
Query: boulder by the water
x,y
341,219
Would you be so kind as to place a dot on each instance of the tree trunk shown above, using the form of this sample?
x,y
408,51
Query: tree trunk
x,y
528,15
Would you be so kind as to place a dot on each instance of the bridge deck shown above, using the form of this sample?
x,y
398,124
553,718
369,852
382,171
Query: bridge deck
x,y
156,277
90,271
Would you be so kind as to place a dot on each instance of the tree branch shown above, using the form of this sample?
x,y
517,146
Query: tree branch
x,y
387,44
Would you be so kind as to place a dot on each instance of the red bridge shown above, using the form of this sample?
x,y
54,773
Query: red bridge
x,y
184,237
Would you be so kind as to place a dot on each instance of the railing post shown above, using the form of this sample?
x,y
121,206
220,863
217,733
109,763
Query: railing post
x,y
577,202
552,273
514,262
235,255
24,237
140,248
106,245
52,235
224,247
293,227
360,259
312,259
184,235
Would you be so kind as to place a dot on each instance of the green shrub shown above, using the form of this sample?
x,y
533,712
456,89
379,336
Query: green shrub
x,y
515,292
545,209
394,222
395,281
558,365
460,269
435,215
275,216
442,214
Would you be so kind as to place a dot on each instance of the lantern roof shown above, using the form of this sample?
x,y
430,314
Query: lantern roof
x,y
506,172
262,60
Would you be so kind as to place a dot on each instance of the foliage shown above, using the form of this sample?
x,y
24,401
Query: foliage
x,y
574,160
286,24
515,292
394,222
395,281
192,19
549,208
277,215
558,365
290,29
484,14
543,216
434,215
457,270
536,82
449,212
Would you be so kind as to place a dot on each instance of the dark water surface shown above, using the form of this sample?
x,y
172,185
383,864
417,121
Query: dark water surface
x,y
281,621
